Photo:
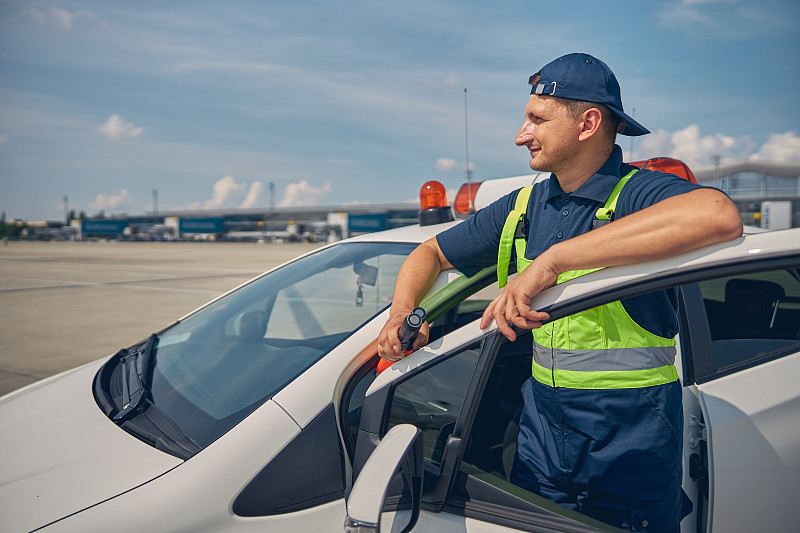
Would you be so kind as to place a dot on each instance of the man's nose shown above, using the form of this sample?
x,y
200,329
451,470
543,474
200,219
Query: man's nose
x,y
525,135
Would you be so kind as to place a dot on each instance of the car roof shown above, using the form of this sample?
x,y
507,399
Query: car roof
x,y
494,189
411,234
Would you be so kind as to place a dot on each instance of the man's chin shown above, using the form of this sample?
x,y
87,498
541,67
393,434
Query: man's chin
x,y
537,166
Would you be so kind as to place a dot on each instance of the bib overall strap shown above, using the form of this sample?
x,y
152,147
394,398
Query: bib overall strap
x,y
512,231
605,214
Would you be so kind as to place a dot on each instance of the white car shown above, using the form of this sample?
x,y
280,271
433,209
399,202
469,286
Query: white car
x,y
263,410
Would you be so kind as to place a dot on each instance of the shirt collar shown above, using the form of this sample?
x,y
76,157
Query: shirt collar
x,y
599,186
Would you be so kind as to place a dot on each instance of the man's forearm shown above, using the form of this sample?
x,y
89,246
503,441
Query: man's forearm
x,y
675,225
414,280
417,275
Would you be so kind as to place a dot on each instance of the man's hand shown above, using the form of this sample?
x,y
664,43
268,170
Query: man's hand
x,y
513,306
414,280
389,341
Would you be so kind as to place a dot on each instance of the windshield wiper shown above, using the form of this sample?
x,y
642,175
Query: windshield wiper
x,y
171,438
135,378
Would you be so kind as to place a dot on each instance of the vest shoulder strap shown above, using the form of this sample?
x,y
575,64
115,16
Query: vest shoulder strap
x,y
511,233
606,213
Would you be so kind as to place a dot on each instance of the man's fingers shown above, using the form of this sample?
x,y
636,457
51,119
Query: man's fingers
x,y
503,325
488,313
389,342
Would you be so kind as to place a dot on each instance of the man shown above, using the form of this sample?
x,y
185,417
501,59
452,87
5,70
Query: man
x,y
601,427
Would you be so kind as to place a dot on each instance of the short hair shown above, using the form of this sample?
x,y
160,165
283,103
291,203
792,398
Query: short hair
x,y
611,124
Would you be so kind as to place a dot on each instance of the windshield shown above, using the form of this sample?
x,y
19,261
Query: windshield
x,y
219,364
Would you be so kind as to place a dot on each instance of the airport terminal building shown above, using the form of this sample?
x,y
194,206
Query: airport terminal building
x,y
766,193
316,224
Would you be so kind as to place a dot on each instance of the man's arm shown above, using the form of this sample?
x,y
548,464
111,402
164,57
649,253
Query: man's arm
x,y
674,225
414,280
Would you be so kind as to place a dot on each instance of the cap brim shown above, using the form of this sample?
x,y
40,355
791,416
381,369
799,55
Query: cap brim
x,y
632,128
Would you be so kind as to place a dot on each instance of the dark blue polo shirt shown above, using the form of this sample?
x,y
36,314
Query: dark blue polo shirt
x,y
554,216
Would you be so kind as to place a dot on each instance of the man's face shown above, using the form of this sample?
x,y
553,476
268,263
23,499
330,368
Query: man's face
x,y
549,132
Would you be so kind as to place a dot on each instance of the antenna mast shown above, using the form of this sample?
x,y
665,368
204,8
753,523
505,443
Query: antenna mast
x,y
466,143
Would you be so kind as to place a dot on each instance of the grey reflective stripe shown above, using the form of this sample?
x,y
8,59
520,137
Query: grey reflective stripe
x,y
603,360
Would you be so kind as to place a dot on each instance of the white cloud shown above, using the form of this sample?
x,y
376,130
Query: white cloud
x,y
55,16
781,147
680,15
3,139
303,193
226,192
446,164
452,80
230,194
692,148
116,129
224,66
115,200
253,195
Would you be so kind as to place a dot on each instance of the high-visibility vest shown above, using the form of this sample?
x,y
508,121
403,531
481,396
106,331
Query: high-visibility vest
x,y
600,348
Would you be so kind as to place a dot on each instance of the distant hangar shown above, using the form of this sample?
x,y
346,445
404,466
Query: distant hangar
x,y
766,193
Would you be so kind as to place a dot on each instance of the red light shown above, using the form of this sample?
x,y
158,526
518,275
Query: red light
x,y
432,195
669,165
465,199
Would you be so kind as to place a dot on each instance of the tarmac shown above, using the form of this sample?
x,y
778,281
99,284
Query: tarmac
x,y
63,304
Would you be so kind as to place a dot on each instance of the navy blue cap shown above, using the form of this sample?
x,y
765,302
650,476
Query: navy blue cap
x,y
586,78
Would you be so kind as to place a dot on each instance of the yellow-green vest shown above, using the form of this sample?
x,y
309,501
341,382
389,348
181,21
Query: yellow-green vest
x,y
600,348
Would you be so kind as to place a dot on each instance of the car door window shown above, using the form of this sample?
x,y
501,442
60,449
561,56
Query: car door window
x,y
752,317
432,400
465,311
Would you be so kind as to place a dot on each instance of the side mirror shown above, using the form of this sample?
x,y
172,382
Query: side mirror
x,y
387,493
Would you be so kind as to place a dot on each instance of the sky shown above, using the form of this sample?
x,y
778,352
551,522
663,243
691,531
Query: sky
x,y
124,107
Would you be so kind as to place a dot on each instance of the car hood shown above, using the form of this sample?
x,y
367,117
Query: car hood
x,y
60,454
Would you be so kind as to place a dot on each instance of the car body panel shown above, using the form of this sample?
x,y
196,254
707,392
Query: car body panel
x,y
753,428
62,455
206,485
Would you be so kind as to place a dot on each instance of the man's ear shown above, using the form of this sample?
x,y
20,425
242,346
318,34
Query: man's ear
x,y
589,122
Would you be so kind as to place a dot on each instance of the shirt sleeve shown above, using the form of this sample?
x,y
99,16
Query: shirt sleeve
x,y
472,245
648,187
